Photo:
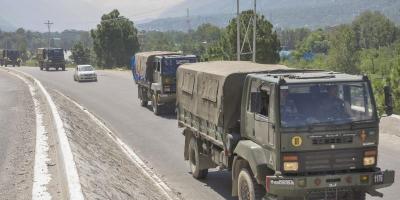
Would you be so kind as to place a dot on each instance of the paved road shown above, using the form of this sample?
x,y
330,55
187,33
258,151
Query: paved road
x,y
157,139
17,136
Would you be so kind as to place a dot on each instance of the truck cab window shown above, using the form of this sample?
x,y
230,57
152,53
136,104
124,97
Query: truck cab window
x,y
259,100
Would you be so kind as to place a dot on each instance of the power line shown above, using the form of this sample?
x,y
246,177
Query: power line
x,y
48,23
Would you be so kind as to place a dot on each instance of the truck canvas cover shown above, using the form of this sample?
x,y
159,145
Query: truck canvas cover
x,y
145,65
213,90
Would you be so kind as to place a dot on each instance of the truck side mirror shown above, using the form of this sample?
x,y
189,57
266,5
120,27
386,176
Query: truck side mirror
x,y
388,100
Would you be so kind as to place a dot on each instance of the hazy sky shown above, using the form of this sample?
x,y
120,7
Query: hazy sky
x,y
77,14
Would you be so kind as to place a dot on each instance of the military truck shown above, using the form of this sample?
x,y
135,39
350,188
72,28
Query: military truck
x,y
283,133
156,77
50,58
10,57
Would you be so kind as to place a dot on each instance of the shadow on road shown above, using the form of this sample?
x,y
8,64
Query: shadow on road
x,y
164,113
53,70
220,182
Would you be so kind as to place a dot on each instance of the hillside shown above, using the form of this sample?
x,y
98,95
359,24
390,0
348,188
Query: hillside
x,y
6,26
284,13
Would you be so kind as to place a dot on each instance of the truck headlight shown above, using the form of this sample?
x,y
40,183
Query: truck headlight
x,y
291,166
368,161
369,158
290,163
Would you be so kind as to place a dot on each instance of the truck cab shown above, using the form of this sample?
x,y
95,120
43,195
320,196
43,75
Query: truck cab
x,y
50,58
156,77
10,57
313,135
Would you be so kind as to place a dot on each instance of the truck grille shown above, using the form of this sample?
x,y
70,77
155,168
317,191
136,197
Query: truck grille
x,y
332,140
331,160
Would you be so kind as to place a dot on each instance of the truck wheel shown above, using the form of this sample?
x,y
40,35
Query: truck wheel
x,y
248,188
143,103
194,160
156,107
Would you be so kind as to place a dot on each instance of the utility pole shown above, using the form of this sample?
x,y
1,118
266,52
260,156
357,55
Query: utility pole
x,y
238,51
188,20
246,38
254,30
48,23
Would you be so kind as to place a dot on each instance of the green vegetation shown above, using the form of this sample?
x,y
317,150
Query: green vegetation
x,y
80,54
370,45
115,40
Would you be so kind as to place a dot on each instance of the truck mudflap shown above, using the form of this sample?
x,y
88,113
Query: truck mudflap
x,y
292,186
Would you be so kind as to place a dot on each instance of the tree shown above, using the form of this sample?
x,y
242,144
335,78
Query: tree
x,y
115,40
316,42
80,54
207,33
291,38
373,30
343,54
268,45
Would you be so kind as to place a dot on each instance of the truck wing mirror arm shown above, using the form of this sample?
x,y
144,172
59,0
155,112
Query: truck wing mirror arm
x,y
388,100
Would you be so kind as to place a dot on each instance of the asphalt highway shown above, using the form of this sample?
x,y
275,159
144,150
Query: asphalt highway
x,y
158,140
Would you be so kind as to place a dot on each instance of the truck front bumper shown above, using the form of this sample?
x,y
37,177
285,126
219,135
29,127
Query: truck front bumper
x,y
292,186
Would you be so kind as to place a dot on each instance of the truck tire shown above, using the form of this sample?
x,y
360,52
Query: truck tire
x,y
248,188
143,103
194,160
156,107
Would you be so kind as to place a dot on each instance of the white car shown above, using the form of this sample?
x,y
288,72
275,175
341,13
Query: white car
x,y
85,73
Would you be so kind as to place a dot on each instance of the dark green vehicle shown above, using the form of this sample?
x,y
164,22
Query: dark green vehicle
x,y
283,133
10,57
50,58
155,75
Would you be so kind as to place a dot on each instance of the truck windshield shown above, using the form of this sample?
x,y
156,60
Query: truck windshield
x,y
334,103
170,65
56,53
13,54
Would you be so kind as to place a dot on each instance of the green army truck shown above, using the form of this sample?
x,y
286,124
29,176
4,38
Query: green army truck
x,y
50,58
10,57
155,75
283,133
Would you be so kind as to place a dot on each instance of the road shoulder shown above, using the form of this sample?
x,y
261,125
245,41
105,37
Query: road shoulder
x,y
105,171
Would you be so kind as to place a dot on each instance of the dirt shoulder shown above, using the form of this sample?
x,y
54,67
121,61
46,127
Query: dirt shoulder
x,y
105,171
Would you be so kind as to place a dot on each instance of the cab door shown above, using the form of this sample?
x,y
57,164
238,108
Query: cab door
x,y
260,111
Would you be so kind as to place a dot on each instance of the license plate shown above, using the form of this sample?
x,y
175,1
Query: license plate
x,y
378,178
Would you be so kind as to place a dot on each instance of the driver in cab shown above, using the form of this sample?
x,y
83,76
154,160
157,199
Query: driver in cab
x,y
288,107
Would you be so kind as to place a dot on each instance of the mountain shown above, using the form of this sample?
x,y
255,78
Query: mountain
x,y
283,13
76,14
6,26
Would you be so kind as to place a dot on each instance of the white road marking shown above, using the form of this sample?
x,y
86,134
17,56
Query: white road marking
x,y
69,166
163,187
41,172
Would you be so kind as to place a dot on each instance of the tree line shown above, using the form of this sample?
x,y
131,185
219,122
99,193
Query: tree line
x,y
369,45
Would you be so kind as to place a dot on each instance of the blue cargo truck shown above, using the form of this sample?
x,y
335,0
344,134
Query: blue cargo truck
x,y
155,74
